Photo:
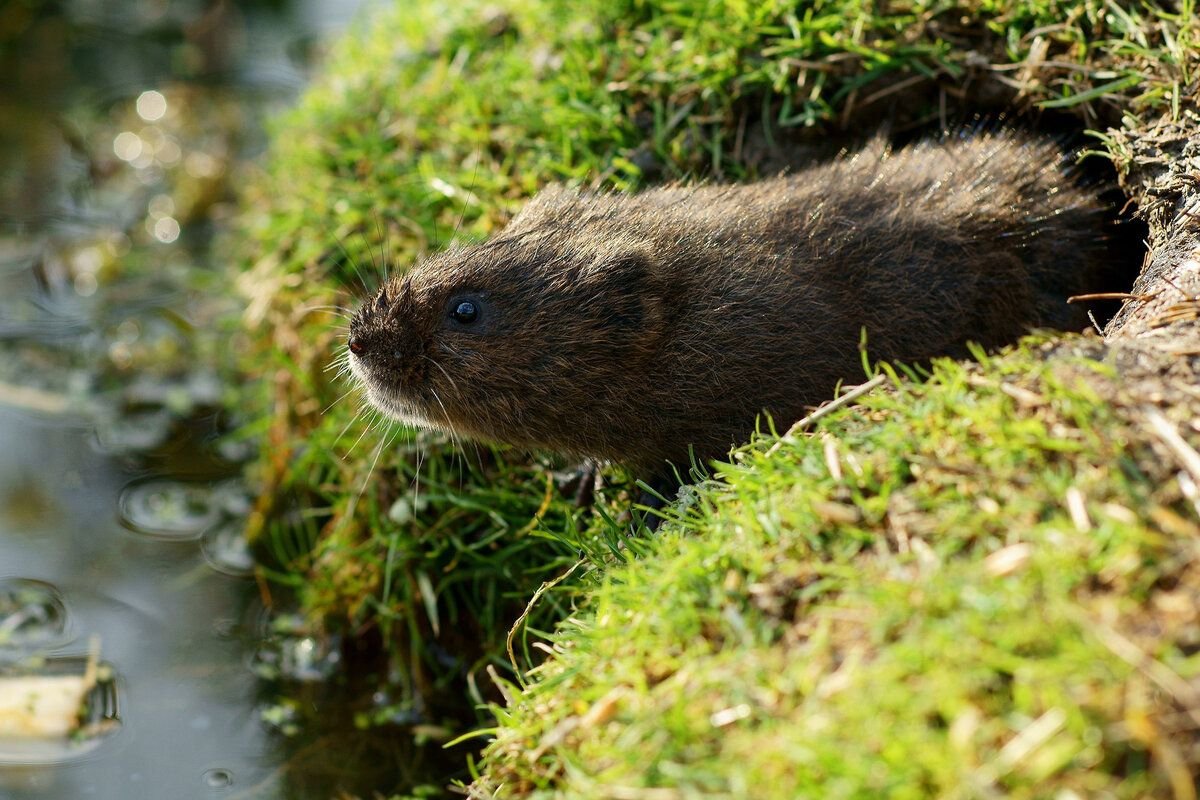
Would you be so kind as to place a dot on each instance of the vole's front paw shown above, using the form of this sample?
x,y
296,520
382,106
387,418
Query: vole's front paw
x,y
583,481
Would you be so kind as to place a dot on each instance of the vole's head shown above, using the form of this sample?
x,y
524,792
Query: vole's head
x,y
514,340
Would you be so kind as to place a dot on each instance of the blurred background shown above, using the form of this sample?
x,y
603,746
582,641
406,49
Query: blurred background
x,y
125,127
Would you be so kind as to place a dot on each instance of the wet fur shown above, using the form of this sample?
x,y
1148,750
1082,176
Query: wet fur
x,y
626,328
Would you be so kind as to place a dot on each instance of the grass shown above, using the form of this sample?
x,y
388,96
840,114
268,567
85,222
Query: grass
x,y
979,585
436,122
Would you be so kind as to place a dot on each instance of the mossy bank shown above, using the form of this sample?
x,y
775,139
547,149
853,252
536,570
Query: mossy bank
x,y
974,583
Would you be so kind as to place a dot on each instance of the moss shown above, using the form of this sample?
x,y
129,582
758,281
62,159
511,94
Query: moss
x,y
787,608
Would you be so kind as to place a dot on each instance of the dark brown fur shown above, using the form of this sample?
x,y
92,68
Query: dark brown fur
x,y
626,328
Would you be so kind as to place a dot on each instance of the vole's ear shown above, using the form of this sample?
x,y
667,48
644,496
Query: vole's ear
x,y
635,300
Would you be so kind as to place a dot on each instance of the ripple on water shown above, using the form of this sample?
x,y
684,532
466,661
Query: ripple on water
x,y
168,509
33,614
226,550
133,432
217,778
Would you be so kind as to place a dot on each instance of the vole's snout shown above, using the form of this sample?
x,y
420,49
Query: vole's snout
x,y
376,350
366,345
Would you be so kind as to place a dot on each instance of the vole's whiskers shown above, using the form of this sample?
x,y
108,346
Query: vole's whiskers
x,y
340,363
362,281
453,385
370,471
367,429
340,311
415,483
470,193
346,427
340,366
345,394
478,454
385,253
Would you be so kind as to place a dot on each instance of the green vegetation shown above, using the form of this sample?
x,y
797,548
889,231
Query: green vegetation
x,y
847,635
983,584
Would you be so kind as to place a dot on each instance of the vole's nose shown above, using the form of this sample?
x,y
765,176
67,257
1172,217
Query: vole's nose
x,y
357,344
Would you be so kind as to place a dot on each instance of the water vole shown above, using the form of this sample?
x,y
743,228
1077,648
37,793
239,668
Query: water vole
x,y
627,328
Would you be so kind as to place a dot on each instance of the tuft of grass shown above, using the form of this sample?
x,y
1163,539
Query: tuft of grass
x,y
983,584
435,122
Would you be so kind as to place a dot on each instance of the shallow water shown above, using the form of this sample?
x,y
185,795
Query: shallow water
x,y
175,632
120,503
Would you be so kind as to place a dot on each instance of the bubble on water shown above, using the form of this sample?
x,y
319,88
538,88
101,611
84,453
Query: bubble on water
x,y
166,229
161,205
86,284
118,244
290,652
120,354
133,433
218,778
151,106
226,550
309,659
202,165
168,509
235,450
87,260
168,152
33,614
234,498
127,145
128,330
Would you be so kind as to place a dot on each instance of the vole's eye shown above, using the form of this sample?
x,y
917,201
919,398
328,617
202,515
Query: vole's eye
x,y
468,313
465,312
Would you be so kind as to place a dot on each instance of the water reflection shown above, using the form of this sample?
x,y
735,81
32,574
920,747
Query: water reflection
x,y
175,632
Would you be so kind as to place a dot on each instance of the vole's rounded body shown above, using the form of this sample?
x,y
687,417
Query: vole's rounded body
x,y
631,327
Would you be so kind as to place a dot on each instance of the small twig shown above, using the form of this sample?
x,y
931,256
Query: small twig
x,y
895,87
1187,455
1078,510
1023,397
832,462
499,683
33,399
512,632
1190,490
1029,739
1080,298
827,408
1166,678
1008,560
1191,298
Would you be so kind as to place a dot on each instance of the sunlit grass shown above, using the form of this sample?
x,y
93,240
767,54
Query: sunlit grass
x,y
970,586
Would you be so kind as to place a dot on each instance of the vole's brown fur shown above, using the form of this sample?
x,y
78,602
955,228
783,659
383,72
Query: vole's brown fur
x,y
628,328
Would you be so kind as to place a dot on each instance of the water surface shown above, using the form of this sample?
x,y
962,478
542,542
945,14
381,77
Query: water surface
x,y
126,126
